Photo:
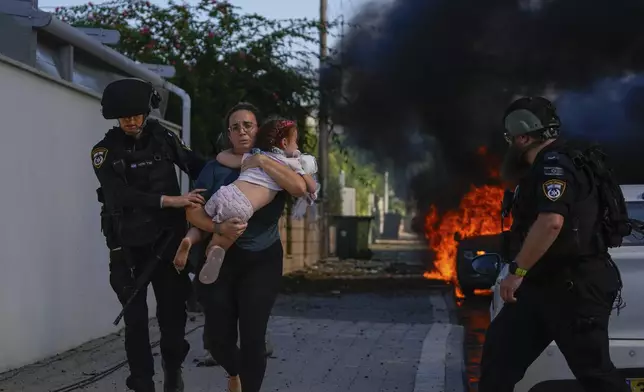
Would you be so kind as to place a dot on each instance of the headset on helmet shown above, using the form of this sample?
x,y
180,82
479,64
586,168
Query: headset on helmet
x,y
129,97
531,115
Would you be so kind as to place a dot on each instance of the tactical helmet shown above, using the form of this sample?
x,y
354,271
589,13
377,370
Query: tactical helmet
x,y
129,97
531,115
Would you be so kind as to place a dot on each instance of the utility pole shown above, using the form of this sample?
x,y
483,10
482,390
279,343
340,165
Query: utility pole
x,y
323,136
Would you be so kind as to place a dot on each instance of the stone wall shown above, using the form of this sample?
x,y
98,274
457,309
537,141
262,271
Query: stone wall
x,y
300,240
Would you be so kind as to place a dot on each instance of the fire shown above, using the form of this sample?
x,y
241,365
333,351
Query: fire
x,y
479,213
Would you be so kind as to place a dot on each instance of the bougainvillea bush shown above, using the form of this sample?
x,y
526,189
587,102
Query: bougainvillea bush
x,y
221,56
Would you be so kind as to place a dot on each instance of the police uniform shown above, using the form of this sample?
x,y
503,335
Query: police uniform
x,y
134,173
568,295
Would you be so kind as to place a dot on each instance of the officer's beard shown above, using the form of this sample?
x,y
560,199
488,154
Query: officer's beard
x,y
514,165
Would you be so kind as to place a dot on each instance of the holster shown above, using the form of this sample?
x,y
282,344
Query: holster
x,y
109,222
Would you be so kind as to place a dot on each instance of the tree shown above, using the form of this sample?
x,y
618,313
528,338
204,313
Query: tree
x,y
221,56
359,174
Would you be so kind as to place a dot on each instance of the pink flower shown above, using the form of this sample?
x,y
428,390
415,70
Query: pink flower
x,y
147,3
211,35
145,30
90,4
124,13
177,45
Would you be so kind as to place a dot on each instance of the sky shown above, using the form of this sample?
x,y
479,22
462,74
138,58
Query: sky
x,y
277,9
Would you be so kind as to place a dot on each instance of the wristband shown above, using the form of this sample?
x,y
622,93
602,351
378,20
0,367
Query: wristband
x,y
516,270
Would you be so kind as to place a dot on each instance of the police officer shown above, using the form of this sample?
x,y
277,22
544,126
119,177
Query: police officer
x,y
143,220
562,282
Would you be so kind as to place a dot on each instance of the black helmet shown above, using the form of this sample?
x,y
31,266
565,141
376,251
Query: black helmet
x,y
129,97
531,115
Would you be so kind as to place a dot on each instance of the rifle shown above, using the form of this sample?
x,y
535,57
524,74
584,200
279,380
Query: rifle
x,y
507,204
145,277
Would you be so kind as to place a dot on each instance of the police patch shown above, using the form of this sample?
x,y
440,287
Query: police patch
x,y
554,189
553,171
98,156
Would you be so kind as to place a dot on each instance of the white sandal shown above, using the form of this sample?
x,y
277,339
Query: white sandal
x,y
210,270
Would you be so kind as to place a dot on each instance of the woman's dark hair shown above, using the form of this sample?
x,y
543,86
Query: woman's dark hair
x,y
243,106
271,133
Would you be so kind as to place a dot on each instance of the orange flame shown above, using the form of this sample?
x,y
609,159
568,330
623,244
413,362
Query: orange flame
x,y
478,214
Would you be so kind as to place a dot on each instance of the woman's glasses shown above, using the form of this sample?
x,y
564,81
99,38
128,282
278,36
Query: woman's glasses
x,y
247,126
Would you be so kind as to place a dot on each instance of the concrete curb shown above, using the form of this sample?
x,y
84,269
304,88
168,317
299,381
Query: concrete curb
x,y
455,375
442,360
442,366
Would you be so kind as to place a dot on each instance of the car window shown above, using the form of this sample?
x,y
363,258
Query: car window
x,y
635,211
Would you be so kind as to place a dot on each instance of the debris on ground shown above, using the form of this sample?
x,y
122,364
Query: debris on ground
x,y
387,270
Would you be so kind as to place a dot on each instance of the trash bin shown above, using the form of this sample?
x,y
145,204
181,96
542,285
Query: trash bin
x,y
392,226
352,237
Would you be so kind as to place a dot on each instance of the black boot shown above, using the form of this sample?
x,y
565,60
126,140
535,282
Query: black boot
x,y
172,379
139,384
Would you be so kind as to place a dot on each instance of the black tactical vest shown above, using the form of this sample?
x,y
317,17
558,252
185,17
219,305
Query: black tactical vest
x,y
578,236
149,170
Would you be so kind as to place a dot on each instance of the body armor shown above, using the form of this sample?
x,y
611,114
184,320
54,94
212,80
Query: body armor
x,y
150,170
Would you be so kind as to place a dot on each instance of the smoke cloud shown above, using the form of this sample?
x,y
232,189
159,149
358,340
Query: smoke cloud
x,y
449,68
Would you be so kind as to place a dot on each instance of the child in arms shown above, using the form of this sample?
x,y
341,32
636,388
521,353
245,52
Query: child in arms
x,y
252,190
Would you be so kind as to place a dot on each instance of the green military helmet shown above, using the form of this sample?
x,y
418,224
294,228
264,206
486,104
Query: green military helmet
x,y
529,115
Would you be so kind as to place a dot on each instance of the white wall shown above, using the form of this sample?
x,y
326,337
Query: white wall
x,y
54,286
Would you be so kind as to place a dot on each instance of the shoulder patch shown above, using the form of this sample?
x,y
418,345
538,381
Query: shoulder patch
x,y
554,171
98,156
554,189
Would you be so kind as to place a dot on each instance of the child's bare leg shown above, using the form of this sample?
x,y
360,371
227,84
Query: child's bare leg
x,y
193,236
216,251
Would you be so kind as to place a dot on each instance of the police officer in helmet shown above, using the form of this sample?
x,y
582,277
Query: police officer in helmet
x,y
143,220
562,283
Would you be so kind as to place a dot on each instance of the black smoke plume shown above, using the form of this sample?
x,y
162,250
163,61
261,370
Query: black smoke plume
x,y
449,68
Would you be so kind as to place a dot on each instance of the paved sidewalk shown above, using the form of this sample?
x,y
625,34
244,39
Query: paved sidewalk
x,y
358,343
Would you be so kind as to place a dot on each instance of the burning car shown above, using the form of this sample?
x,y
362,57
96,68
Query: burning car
x,y
468,248
456,236
473,227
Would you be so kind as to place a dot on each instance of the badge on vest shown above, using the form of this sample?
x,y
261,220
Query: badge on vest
x,y
554,189
98,156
